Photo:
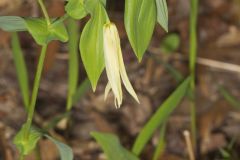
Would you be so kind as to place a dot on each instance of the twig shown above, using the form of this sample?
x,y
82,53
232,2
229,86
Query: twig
x,y
219,65
205,61
189,145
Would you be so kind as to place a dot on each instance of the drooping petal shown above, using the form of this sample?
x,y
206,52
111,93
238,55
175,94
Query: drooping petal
x,y
111,61
107,90
124,76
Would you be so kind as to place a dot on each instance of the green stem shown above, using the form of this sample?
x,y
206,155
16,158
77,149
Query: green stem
x,y
73,61
37,153
21,157
31,108
192,64
44,10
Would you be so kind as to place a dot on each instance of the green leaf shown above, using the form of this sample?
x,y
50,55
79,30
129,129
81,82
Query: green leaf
x,y
112,147
140,18
64,150
91,44
104,2
91,4
44,33
170,43
21,69
12,23
160,116
162,14
81,90
26,144
75,9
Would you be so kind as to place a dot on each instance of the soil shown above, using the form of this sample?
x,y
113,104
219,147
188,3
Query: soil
x,y
218,121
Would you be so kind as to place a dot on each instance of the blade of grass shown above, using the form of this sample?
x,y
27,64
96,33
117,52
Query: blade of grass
x,y
192,65
160,117
73,61
174,72
230,98
177,75
161,143
21,69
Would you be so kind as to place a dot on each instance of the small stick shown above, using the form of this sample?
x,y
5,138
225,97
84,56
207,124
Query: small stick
x,y
205,61
218,64
189,145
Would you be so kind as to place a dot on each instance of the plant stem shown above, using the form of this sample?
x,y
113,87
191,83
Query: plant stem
x,y
37,153
73,61
44,10
31,108
21,157
192,64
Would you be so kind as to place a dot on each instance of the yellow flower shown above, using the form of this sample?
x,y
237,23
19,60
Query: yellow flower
x,y
115,68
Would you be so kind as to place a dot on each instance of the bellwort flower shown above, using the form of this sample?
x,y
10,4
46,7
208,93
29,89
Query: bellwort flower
x,y
115,68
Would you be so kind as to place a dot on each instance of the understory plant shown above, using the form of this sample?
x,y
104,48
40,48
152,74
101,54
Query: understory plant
x,y
100,48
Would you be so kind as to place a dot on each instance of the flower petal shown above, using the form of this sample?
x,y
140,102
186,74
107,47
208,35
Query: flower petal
x,y
107,90
124,76
111,61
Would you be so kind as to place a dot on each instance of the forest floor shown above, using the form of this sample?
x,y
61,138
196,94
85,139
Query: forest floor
x,y
218,122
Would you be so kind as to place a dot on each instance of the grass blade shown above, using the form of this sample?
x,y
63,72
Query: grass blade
x,y
161,143
160,117
21,69
232,100
192,65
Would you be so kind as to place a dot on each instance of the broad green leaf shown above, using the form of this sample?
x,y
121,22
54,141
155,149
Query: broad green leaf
x,y
91,4
64,150
12,23
26,144
170,43
91,44
73,60
112,147
44,33
21,69
160,116
81,90
104,2
76,9
140,18
162,14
